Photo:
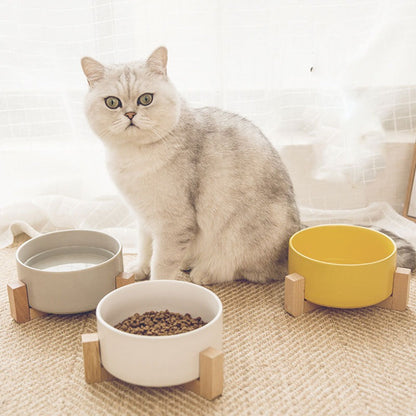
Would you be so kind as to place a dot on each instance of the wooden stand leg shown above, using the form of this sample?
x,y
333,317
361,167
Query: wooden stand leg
x,y
19,303
94,371
124,279
34,313
211,375
295,302
400,295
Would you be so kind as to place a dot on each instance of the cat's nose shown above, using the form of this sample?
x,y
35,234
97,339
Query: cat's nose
x,y
130,115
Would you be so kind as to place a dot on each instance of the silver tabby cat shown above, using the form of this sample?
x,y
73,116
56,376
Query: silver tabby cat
x,y
211,193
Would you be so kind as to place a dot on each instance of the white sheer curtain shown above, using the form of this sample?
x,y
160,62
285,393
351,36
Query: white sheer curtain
x,y
331,83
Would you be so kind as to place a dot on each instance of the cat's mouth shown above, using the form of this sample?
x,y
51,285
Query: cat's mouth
x,y
132,125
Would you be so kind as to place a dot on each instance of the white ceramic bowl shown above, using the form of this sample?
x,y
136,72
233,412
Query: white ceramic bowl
x,y
157,361
69,271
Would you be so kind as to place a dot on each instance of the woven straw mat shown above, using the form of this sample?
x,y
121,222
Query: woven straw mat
x,y
327,362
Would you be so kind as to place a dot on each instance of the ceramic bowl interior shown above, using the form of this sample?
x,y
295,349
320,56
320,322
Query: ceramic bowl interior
x,y
157,360
69,271
344,266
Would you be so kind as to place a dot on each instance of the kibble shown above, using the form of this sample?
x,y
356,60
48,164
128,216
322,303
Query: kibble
x,y
159,323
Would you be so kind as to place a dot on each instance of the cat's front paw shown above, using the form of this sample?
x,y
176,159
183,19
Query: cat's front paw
x,y
140,270
201,277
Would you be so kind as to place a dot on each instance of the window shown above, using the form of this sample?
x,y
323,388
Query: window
x,y
337,76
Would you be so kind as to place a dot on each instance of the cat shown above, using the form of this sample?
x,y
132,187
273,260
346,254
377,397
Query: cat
x,y
211,194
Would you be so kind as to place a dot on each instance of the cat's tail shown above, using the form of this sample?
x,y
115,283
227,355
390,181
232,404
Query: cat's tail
x,y
406,253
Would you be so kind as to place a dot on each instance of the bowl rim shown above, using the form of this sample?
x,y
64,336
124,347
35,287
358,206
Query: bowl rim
x,y
31,241
151,338
393,253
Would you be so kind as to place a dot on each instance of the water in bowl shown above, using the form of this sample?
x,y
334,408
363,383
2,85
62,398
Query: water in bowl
x,y
65,259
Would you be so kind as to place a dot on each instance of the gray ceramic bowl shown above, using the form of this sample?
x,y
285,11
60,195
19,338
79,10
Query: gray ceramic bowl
x,y
69,271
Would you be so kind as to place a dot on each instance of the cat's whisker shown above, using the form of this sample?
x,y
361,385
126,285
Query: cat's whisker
x,y
145,122
160,132
160,135
104,132
118,123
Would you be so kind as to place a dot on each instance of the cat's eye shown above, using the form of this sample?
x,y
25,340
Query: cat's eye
x,y
145,99
112,102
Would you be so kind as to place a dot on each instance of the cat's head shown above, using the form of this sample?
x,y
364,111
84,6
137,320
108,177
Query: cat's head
x,y
133,102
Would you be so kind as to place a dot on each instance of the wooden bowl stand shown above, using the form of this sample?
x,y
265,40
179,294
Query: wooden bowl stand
x,y
209,384
211,361
296,304
20,305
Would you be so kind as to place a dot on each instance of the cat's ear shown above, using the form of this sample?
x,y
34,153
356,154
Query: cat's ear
x,y
158,60
93,70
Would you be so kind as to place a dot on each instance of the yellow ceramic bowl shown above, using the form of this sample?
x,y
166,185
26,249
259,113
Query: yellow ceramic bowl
x,y
344,266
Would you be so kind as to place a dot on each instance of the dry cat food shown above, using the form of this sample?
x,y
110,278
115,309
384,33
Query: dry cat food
x,y
159,323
